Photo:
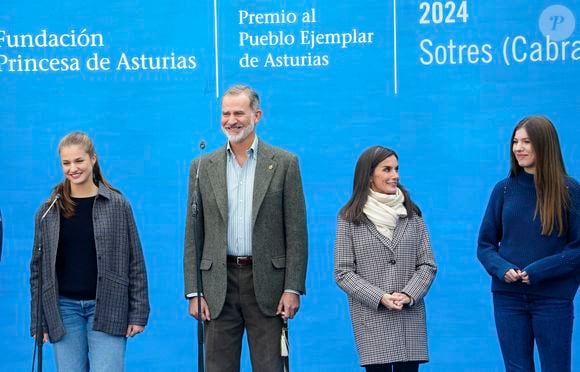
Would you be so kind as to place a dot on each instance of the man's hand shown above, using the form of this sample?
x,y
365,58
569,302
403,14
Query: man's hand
x,y
288,305
204,309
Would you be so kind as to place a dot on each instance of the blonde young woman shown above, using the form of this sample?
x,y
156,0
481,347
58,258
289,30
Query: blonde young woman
x,y
94,292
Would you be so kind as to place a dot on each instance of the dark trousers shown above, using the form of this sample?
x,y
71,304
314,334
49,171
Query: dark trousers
x,y
224,334
522,318
393,367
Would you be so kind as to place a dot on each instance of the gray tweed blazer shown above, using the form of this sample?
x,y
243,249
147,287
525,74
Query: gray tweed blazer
x,y
279,237
368,265
122,295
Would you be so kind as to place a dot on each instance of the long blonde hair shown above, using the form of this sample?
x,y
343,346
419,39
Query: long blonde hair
x,y
67,205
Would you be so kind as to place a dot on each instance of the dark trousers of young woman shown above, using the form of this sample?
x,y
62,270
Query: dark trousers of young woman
x,y
393,367
521,319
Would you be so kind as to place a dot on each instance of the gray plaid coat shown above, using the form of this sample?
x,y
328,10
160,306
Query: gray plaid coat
x,y
122,297
366,266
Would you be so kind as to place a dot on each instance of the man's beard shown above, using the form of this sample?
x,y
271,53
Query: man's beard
x,y
237,138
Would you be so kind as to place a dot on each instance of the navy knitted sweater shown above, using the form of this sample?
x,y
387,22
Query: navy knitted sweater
x,y
76,258
510,238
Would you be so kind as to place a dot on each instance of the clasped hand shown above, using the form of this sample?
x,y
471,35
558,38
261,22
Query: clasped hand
x,y
395,301
513,275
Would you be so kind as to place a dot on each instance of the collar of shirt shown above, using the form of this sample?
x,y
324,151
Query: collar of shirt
x,y
252,151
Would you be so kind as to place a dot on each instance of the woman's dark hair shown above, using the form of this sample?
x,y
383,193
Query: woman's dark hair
x,y
365,167
66,204
552,197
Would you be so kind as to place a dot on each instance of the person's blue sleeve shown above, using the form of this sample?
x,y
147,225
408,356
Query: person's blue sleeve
x,y
490,234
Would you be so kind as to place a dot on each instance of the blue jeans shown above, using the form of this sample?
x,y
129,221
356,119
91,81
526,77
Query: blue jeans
x,y
521,319
81,346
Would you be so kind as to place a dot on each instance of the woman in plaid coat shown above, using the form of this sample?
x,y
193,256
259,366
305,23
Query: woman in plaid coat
x,y
383,261
94,289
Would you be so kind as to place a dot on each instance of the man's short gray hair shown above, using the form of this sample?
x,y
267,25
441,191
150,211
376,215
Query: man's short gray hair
x,y
248,91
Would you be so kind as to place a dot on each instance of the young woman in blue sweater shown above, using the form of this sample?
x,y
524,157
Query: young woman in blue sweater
x,y
529,242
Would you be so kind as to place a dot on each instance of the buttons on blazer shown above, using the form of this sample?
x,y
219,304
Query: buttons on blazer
x,y
392,262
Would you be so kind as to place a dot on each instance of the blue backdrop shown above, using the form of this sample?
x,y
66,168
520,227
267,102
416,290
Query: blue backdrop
x,y
442,82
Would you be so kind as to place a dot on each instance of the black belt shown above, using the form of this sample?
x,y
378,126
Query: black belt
x,y
240,260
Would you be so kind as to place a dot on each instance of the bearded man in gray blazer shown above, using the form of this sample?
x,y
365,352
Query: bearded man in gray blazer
x,y
254,253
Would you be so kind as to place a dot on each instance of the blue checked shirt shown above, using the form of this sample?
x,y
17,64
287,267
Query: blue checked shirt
x,y
240,181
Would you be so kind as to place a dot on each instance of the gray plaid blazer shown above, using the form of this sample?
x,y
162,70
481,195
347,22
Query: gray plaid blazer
x,y
368,265
122,297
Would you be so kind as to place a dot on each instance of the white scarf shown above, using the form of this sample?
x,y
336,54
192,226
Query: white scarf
x,y
384,210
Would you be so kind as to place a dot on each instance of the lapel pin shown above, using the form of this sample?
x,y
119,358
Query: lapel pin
x,y
270,167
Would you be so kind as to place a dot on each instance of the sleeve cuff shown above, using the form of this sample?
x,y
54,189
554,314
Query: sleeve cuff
x,y
412,303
